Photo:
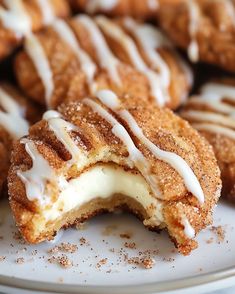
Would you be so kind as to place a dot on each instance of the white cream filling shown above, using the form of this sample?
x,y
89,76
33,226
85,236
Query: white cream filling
x,y
103,181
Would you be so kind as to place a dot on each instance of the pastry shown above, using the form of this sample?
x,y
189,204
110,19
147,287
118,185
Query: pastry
x,y
16,113
20,17
205,28
82,47
107,152
212,113
143,9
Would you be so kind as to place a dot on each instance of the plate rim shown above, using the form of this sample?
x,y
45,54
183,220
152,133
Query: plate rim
x,y
157,287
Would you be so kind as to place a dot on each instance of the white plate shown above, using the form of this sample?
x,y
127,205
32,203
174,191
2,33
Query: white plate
x,y
211,266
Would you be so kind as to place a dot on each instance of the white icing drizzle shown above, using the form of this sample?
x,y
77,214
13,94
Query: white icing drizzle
x,y
12,118
113,30
40,174
153,4
150,40
16,18
66,34
47,11
135,156
106,58
37,54
93,6
211,117
188,229
110,100
214,128
194,16
61,129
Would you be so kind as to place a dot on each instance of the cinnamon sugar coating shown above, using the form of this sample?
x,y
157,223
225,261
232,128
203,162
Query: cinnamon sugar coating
x,y
9,40
65,67
222,140
95,136
212,28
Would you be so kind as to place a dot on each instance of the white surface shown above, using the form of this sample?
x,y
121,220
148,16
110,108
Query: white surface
x,y
193,269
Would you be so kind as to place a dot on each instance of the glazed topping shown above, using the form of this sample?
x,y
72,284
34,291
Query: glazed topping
x,y
38,56
115,32
106,58
150,39
194,17
135,156
12,117
100,5
16,17
66,34
61,129
188,229
110,100
220,119
39,176
47,11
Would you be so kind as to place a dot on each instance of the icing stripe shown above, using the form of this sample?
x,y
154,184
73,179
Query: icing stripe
x,y
188,229
16,18
36,178
211,117
217,92
67,35
150,40
194,17
114,31
217,106
13,118
135,155
36,52
214,128
178,163
106,58
47,11
93,6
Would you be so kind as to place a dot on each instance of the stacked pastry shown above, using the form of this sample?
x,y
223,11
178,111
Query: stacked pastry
x,y
110,141
125,56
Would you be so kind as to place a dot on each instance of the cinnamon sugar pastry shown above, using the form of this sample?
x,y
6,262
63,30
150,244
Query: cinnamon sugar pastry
x,y
20,17
212,113
16,113
143,9
108,152
205,28
127,57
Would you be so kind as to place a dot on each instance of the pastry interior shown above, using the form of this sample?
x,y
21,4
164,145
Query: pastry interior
x,y
107,152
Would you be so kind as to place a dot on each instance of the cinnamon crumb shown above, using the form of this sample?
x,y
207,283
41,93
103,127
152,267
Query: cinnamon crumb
x,y
83,241
2,258
220,233
101,262
62,260
148,263
126,235
20,260
130,245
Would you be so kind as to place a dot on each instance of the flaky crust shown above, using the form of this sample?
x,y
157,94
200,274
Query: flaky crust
x,y
222,144
66,67
138,9
9,40
32,114
162,127
215,30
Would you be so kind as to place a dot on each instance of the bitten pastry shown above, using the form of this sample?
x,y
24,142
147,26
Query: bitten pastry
x,y
20,17
125,56
205,28
16,113
144,9
108,152
212,114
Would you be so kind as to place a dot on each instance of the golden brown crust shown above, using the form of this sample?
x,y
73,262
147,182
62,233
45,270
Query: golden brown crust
x,y
222,144
215,30
9,40
138,9
66,67
161,126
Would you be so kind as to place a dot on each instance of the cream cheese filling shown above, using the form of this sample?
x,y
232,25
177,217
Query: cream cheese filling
x,y
104,181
